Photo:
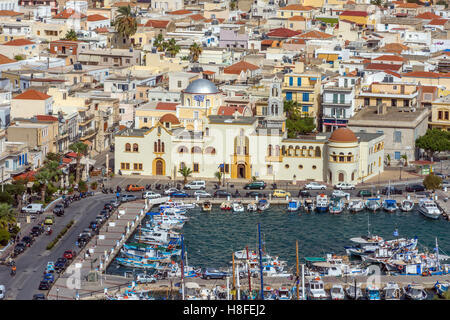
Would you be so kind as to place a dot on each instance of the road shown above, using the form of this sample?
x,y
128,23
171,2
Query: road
x,y
32,262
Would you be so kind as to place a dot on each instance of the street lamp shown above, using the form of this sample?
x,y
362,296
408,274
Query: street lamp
x,y
57,293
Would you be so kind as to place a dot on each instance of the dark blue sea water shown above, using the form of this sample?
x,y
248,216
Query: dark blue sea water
x,y
211,238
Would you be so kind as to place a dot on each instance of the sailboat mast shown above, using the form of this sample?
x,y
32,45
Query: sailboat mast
x,y
248,272
182,267
260,262
437,256
234,281
298,275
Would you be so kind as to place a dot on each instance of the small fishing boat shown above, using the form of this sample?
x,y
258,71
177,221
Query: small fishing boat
x,y
269,293
293,205
206,206
356,206
284,294
237,206
390,205
309,205
336,206
263,204
392,291
354,292
315,289
373,292
226,205
373,204
442,288
252,206
406,205
415,292
337,292
321,203
429,209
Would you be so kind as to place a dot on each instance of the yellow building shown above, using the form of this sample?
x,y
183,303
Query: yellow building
x,y
440,114
359,17
294,10
388,93
305,90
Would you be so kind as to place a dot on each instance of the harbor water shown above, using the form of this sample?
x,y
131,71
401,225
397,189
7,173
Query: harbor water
x,y
212,237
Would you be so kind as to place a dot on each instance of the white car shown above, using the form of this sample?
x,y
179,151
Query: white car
x,y
150,195
340,194
196,185
33,208
315,186
145,278
169,191
344,186
202,194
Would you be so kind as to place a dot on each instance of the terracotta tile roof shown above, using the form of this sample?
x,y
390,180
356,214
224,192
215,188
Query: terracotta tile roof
x,y
437,22
18,42
32,94
354,13
429,89
394,47
282,33
69,14
229,111
157,23
427,16
179,12
29,176
71,154
409,5
315,35
266,42
167,106
297,7
237,68
390,58
383,66
96,17
66,160
218,19
197,17
124,4
9,13
168,117
102,30
295,41
5,59
208,72
395,74
297,18
426,74
42,117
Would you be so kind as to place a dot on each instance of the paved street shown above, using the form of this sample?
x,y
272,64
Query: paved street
x,y
31,263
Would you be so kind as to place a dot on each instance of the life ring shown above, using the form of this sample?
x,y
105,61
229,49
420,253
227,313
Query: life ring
x,y
400,267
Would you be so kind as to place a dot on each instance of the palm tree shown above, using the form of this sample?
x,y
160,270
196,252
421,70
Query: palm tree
x,y
290,107
6,215
44,177
388,158
159,42
71,35
185,172
125,23
172,47
405,157
80,149
219,176
195,51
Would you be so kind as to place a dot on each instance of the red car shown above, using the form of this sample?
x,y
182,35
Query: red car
x,y
69,254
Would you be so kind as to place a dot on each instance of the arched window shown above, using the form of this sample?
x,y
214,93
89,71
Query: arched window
x,y
277,150
128,147
318,153
310,151
159,145
156,147
196,150
283,150
353,176
269,150
188,101
182,149
290,151
297,151
162,147
210,150
135,147
341,177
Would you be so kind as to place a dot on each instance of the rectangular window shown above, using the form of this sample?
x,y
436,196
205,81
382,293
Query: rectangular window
x,y
398,136
342,98
306,97
366,101
288,96
145,120
195,167
135,166
305,108
397,155
335,97
227,168
394,102
179,84
299,81
291,81
446,115
269,169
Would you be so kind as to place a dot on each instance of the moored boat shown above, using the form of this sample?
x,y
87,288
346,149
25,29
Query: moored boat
x,y
354,291
429,209
226,205
336,206
337,292
392,291
373,204
315,289
263,204
390,205
415,292
406,205
442,287
293,205
373,292
284,294
237,206
252,206
309,205
321,203
356,206
206,206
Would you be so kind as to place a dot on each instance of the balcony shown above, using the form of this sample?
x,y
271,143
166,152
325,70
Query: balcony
x,y
274,158
88,134
85,120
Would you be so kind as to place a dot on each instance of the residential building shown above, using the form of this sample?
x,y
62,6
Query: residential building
x,y
440,114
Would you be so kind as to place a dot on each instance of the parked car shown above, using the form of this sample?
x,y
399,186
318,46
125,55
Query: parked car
x,y
221,194
33,208
202,194
340,194
39,296
134,187
2,292
195,185
37,230
19,248
145,278
58,209
440,175
445,184
49,220
364,193
150,195
128,197
50,277
115,203
255,185
304,194
44,285
61,264
344,186
315,186
28,240
415,188
179,194
391,190
93,225
170,190
278,193
69,254
108,206
214,274
254,194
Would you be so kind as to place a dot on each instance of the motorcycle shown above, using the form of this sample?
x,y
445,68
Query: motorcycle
x,y
48,231
274,186
216,186
13,272
104,190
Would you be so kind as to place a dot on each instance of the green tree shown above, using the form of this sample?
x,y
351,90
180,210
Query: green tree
x,y
71,35
405,158
125,23
233,5
297,125
44,177
195,51
219,176
434,141
54,157
158,43
80,149
18,57
7,216
378,3
388,158
172,47
4,237
290,107
185,172
432,182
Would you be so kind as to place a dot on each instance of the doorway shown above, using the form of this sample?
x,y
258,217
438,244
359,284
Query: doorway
x,y
241,171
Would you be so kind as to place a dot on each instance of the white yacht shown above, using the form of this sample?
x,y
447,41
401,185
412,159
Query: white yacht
x,y
337,292
315,290
429,209
392,291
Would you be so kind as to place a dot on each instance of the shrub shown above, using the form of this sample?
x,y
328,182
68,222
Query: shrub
x,y
432,182
60,235
94,185
4,237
